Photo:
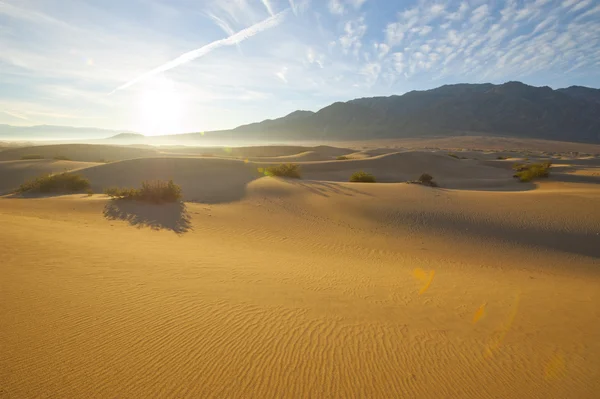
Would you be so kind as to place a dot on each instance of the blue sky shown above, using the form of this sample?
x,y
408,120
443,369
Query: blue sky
x,y
118,64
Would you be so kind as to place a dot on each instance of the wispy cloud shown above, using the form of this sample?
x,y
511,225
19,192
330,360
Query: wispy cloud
x,y
267,5
236,38
15,114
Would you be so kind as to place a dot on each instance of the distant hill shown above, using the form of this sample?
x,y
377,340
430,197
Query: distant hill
x,y
583,93
127,136
512,109
49,132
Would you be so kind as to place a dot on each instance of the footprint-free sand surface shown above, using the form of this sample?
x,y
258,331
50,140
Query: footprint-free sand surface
x,y
312,288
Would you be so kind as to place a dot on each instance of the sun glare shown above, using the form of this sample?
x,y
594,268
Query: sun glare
x,y
160,108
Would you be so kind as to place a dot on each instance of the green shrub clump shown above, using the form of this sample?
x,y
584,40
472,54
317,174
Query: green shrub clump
x,y
61,158
156,192
61,182
32,156
362,177
284,170
529,172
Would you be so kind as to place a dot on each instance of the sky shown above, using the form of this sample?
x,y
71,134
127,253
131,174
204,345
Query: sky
x,y
172,66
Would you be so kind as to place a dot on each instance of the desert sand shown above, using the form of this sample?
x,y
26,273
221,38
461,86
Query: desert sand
x,y
261,287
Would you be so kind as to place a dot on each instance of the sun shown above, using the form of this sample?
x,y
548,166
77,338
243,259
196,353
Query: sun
x,y
159,108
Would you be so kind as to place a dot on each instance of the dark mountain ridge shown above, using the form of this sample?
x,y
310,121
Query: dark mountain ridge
x,y
511,109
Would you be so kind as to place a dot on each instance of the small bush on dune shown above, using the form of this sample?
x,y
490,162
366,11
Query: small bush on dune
x,y
31,156
61,158
284,170
425,179
453,155
62,182
501,157
362,177
342,158
156,192
526,173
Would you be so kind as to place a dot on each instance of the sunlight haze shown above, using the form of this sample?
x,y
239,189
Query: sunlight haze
x,y
185,66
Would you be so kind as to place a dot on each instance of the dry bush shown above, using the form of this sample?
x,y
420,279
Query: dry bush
x,y
53,183
155,191
284,170
362,177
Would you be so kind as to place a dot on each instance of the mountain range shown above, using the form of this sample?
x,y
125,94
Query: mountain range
x,y
512,109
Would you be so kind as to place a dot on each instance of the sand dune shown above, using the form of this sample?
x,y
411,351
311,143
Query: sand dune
x,y
13,173
304,289
202,179
476,143
310,288
79,152
404,166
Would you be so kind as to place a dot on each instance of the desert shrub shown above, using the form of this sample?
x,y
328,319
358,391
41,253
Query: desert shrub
x,y
527,173
32,156
156,191
362,177
453,155
61,182
284,170
61,158
425,178
342,158
89,192
501,157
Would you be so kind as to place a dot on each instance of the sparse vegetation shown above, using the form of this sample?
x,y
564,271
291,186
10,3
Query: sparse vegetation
x,y
453,155
32,156
362,177
89,192
156,192
61,158
425,179
55,183
501,157
529,172
284,170
342,158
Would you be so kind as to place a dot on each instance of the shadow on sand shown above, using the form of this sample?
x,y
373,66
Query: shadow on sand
x,y
174,217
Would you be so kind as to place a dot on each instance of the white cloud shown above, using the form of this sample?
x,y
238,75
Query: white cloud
x,y
282,74
267,5
479,14
357,3
336,7
581,5
353,33
460,13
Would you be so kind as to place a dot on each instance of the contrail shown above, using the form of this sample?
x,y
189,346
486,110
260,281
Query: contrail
x,y
236,38
225,26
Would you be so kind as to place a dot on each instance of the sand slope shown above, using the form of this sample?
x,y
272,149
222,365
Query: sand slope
x,y
14,173
304,289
